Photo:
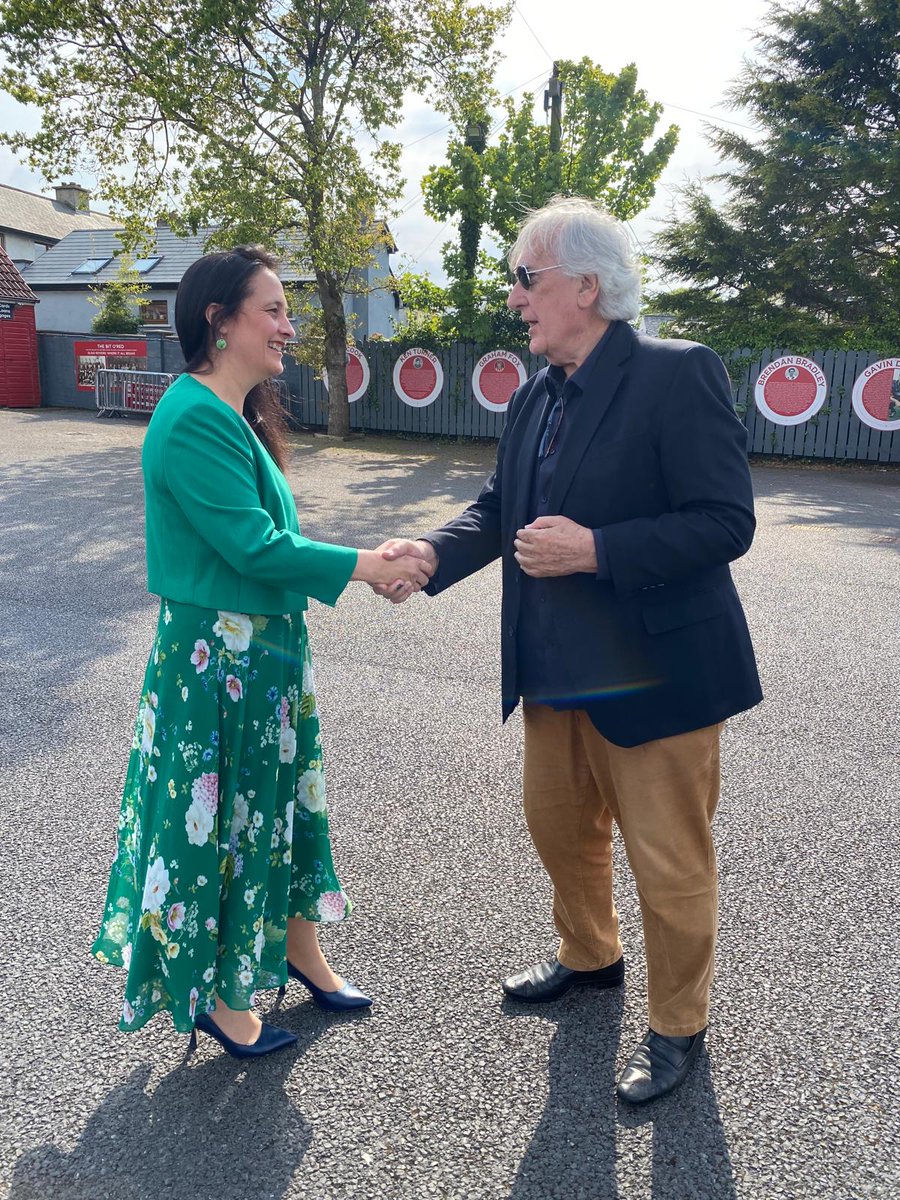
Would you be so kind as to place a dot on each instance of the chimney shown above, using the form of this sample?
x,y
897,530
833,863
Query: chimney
x,y
74,195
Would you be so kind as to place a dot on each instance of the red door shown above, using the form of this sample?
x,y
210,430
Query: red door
x,y
19,382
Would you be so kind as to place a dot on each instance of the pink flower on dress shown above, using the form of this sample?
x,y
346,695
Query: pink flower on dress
x,y
193,996
175,919
285,711
200,657
332,906
234,687
206,790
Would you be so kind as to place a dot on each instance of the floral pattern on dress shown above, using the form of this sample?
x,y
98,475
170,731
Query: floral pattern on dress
x,y
223,826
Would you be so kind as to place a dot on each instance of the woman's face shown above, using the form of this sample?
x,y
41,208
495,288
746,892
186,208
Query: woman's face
x,y
258,331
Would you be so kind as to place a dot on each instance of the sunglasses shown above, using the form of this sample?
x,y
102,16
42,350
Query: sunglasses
x,y
525,275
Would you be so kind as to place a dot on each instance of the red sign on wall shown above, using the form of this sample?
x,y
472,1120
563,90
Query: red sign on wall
x,y
358,375
91,356
495,378
876,395
790,390
418,377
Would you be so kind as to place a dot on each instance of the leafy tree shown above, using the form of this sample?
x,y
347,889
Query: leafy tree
x,y
434,318
117,301
259,116
803,251
605,152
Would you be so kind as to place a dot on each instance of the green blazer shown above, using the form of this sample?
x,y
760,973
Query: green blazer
x,y
222,528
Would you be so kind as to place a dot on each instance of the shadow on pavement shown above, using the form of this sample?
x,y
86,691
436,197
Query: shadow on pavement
x,y
211,1131
690,1153
573,1151
855,499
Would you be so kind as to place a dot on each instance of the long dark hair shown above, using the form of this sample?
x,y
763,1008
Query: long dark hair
x,y
225,277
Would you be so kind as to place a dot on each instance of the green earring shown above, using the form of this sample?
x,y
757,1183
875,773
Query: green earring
x,y
221,343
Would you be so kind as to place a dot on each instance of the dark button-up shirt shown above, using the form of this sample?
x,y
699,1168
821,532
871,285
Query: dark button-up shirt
x,y
540,673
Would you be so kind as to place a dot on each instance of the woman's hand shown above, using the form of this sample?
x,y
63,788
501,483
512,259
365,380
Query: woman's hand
x,y
408,569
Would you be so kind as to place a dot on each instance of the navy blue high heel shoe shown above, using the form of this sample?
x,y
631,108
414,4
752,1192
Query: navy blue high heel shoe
x,y
343,1000
270,1039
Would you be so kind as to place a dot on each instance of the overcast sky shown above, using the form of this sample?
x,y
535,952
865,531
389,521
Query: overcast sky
x,y
686,54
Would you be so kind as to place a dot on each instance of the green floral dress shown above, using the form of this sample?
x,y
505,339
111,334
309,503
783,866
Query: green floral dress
x,y
223,832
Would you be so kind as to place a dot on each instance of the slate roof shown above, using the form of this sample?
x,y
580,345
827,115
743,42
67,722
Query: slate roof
x,y
44,217
12,285
55,266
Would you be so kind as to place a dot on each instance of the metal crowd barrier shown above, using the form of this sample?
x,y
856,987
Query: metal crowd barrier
x,y
121,391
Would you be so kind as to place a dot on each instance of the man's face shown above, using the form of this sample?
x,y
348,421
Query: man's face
x,y
549,307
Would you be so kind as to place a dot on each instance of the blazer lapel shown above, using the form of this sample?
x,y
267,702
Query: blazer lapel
x,y
592,406
532,423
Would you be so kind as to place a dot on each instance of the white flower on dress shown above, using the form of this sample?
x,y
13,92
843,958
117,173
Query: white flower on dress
x,y
241,814
201,881
184,693
127,1013
175,919
258,819
235,630
331,906
156,886
246,977
287,745
258,942
193,997
126,955
198,823
148,722
234,687
200,657
311,790
289,821
209,974
151,773
172,949
249,896
205,790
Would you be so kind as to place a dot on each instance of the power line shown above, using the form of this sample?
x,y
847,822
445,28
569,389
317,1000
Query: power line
x,y
533,34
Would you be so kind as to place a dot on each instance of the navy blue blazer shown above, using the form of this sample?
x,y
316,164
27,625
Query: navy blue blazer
x,y
655,458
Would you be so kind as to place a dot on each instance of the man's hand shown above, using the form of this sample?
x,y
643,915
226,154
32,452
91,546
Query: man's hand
x,y
399,591
552,546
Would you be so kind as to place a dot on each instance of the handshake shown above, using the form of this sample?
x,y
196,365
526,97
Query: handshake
x,y
397,568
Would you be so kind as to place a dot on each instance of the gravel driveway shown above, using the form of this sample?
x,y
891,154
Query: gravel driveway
x,y
442,1090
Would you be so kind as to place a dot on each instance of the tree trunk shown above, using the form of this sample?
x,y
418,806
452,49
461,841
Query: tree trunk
x,y
335,323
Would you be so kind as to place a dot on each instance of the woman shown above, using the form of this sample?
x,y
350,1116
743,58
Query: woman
x,y
224,864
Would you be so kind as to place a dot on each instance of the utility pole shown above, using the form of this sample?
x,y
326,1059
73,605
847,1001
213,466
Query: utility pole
x,y
553,102
469,224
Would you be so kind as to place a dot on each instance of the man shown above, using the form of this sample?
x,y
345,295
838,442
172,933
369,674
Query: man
x,y
620,495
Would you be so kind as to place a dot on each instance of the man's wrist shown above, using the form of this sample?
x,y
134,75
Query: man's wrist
x,y
430,552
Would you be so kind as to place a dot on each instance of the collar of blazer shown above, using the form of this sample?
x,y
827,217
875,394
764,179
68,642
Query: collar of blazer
x,y
586,416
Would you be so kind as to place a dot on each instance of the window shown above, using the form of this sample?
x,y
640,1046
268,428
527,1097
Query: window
x,y
143,265
91,266
155,312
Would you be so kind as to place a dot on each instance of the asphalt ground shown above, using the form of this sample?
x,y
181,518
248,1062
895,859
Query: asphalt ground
x,y
442,1090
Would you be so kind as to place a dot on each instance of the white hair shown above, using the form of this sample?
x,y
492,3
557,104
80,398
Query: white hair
x,y
586,240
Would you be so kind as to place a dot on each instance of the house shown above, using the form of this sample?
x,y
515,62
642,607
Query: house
x,y
63,279
651,323
31,224
19,381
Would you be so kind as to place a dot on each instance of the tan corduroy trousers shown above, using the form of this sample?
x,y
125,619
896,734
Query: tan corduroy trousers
x,y
662,795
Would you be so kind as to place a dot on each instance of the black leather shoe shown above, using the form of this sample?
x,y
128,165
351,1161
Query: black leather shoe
x,y
550,980
658,1066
